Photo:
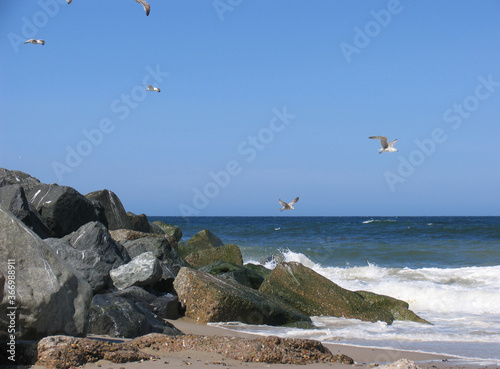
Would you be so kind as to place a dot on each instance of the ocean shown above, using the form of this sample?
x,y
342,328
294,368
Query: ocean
x,y
446,268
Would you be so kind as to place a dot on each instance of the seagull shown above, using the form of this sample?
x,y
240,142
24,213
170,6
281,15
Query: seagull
x,y
151,88
34,42
288,206
387,147
144,4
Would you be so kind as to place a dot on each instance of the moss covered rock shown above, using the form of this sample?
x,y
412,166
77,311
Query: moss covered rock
x,y
399,309
230,253
316,295
170,230
208,298
202,240
238,273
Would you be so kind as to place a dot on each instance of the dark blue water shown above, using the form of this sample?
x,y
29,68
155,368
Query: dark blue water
x,y
412,242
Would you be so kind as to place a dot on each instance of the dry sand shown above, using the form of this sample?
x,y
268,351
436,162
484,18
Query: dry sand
x,y
363,357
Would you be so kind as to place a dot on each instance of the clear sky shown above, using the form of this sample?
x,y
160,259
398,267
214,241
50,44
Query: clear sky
x,y
260,100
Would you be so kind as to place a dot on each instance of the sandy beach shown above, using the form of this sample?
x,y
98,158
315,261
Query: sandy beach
x,y
363,357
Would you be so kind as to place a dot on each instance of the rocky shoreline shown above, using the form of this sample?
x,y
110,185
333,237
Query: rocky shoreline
x,y
83,265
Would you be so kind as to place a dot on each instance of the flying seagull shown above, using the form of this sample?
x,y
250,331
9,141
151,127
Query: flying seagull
x,y
387,147
145,5
151,88
288,206
34,42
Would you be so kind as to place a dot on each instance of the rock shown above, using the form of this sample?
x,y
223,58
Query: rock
x,y
399,309
52,297
62,208
316,295
169,230
155,229
238,273
143,270
272,350
63,352
93,252
119,317
166,306
2,285
99,212
259,269
113,209
211,299
13,198
138,223
137,295
230,253
160,247
122,235
14,177
200,241
401,364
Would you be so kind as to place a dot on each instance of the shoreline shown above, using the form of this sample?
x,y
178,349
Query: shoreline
x,y
364,357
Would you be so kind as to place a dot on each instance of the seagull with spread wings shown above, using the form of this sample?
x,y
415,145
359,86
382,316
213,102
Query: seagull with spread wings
x,y
386,146
151,88
35,42
288,206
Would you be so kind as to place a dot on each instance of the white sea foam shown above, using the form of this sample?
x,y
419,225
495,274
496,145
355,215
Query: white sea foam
x,y
462,304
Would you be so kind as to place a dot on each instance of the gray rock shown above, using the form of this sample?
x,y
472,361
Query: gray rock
x,y
160,247
119,317
211,299
401,364
10,177
138,223
13,198
52,298
143,270
166,306
93,252
62,208
113,209
230,253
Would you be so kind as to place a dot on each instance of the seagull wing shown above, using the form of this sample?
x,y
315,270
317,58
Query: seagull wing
x,y
145,4
392,142
69,1
42,42
383,140
283,203
29,41
150,87
294,201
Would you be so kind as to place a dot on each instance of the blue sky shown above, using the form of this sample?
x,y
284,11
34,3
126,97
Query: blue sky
x,y
259,100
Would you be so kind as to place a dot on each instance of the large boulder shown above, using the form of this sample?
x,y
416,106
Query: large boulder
x,y
211,299
13,198
113,209
93,252
166,306
62,208
139,223
316,295
10,177
161,248
117,316
230,253
238,273
169,230
143,270
200,241
52,297
398,308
